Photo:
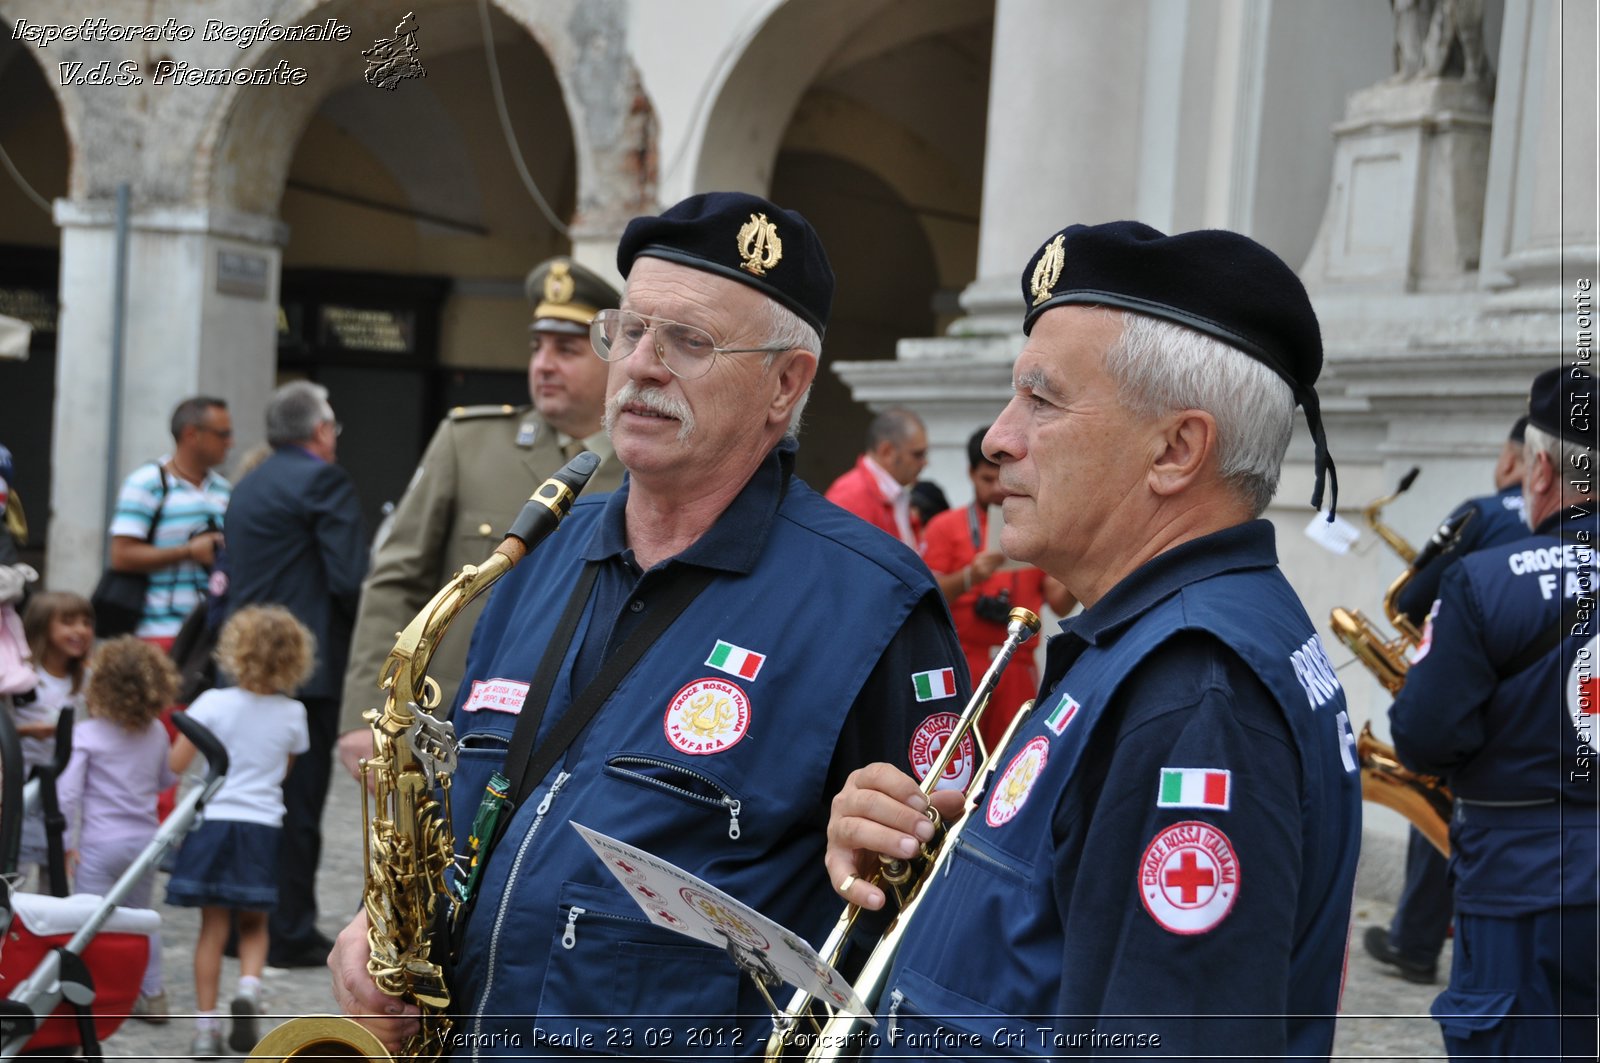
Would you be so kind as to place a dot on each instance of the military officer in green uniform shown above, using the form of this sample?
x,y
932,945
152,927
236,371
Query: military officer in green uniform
x,y
482,464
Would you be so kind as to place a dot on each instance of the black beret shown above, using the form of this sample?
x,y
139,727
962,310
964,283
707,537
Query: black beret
x,y
1561,403
567,296
744,238
1217,282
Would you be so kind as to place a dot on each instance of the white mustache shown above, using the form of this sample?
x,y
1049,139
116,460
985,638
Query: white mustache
x,y
656,401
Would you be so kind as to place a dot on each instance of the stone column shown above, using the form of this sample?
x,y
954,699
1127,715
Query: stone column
x,y
201,318
1540,216
1063,79
1060,146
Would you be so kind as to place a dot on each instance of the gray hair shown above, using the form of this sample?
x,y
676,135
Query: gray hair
x,y
1159,367
191,413
1563,454
893,425
789,330
295,411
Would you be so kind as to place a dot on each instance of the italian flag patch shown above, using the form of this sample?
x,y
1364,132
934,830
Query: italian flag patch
x,y
931,686
736,660
1062,714
1195,788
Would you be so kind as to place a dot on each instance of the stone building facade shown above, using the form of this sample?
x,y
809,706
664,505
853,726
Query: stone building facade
x,y
375,239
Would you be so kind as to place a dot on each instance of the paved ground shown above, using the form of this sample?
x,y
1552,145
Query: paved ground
x,y
1384,1017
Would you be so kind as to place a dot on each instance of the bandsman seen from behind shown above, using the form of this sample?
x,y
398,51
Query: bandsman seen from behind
x,y
1412,941
1501,701
1163,860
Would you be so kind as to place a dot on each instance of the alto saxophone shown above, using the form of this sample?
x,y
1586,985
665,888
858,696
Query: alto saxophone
x,y
407,838
1422,799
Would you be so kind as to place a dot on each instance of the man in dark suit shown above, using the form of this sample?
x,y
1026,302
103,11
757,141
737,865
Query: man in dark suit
x,y
295,539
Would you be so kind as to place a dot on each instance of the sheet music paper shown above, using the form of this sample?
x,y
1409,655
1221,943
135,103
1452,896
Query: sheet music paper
x,y
672,898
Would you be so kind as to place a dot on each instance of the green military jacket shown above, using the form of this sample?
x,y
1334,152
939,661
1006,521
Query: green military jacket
x,y
480,467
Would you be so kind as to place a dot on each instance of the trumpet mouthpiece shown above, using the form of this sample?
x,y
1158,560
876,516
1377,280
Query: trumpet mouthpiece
x,y
1024,622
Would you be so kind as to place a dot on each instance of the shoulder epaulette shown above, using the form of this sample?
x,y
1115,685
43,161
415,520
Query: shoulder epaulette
x,y
472,413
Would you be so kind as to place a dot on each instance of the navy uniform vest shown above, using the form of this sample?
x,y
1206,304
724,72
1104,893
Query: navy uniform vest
x,y
720,769
1518,748
1498,519
991,951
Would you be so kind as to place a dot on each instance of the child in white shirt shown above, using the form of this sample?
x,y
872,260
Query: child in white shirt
x,y
228,866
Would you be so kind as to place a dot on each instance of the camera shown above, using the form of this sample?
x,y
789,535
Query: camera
x,y
995,608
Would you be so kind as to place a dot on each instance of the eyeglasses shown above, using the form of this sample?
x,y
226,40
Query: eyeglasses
x,y
220,433
685,350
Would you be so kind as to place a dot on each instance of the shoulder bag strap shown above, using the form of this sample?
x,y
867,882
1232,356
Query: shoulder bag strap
x,y
524,770
161,504
1546,641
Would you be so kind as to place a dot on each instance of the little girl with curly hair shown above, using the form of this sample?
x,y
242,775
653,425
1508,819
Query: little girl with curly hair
x,y
228,867
118,765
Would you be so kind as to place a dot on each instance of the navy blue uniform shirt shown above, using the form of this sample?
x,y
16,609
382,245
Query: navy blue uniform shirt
x,y
720,751
1513,745
1498,520
1163,863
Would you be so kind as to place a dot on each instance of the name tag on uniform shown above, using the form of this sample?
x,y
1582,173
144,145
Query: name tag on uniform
x,y
496,695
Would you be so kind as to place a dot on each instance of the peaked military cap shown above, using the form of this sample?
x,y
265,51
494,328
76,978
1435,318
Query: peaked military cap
x,y
1562,403
743,238
1220,283
567,296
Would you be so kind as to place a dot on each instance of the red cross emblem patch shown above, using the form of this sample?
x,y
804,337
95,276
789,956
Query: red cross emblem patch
x,y
1189,877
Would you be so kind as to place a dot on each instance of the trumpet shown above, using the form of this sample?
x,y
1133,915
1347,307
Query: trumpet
x,y
831,1031
407,838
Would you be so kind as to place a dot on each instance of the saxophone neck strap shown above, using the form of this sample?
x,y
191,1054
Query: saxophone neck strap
x,y
526,764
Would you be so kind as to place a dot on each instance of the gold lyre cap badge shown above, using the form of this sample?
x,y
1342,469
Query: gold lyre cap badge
x,y
558,283
1048,269
759,245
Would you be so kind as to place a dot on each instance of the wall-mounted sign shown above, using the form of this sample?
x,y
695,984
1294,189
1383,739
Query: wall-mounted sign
x,y
35,307
242,273
359,329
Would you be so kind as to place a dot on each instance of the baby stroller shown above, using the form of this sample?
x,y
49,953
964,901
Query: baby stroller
x,y
50,947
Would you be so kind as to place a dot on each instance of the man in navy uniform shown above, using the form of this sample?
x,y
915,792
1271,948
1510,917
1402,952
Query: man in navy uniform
x,y
1501,701
1413,939
798,643
1162,862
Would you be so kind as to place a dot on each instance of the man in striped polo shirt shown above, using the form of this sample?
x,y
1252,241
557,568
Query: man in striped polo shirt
x,y
184,498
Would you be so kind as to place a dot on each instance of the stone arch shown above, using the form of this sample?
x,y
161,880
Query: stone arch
x,y
768,100
813,111
38,128
243,159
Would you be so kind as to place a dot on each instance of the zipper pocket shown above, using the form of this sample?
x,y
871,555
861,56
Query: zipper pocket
x,y
962,846
710,793
569,934
896,998
483,740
